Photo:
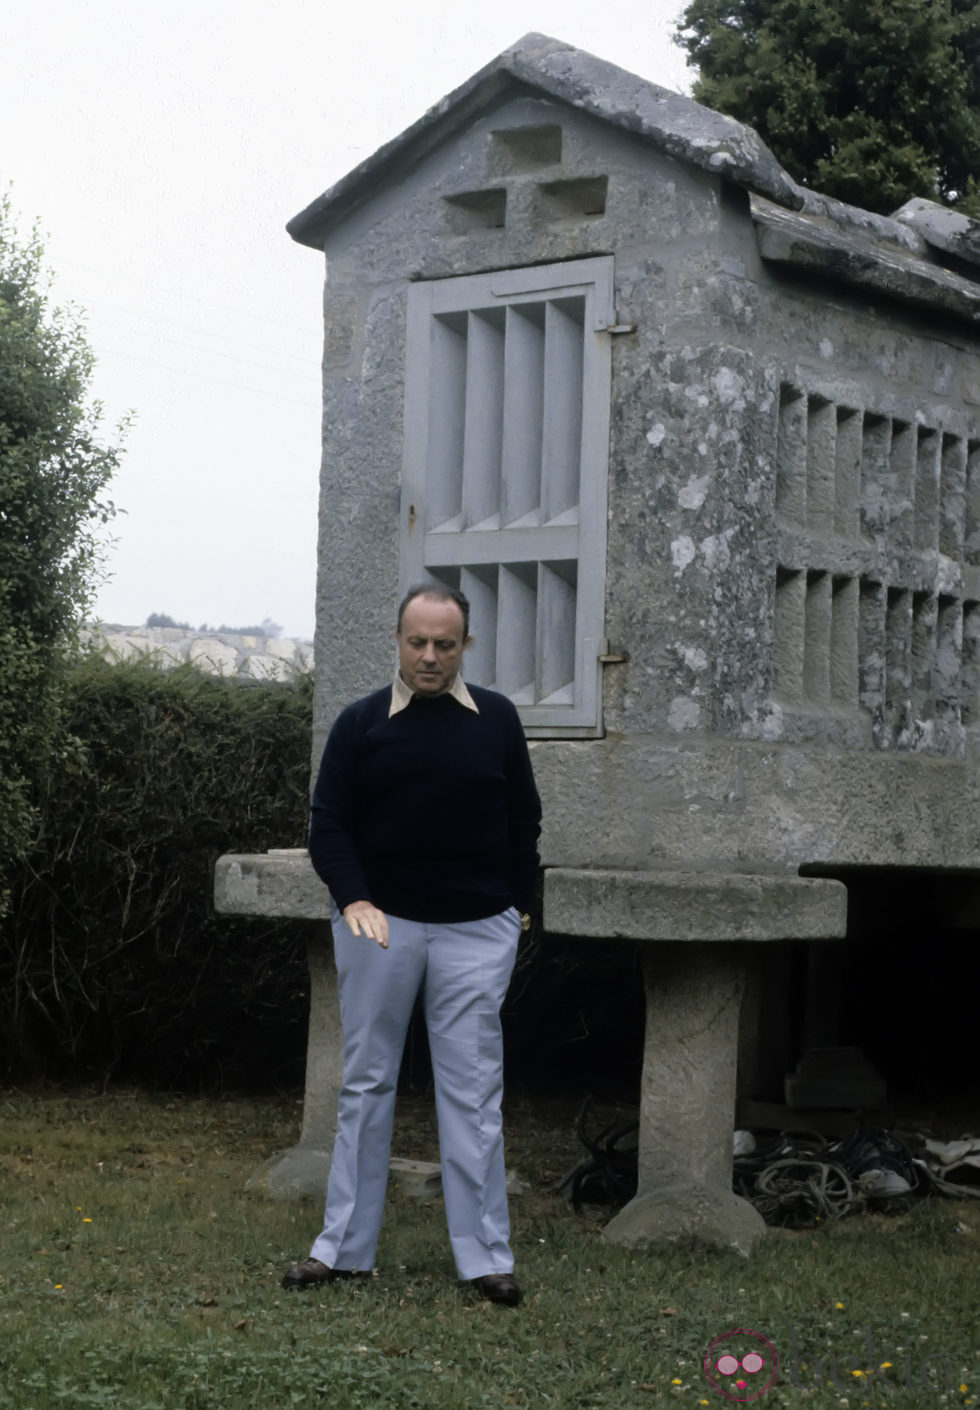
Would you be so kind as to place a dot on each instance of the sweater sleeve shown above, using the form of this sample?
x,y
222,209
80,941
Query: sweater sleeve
x,y
333,849
525,817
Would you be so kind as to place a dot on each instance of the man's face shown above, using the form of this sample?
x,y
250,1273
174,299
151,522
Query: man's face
x,y
431,645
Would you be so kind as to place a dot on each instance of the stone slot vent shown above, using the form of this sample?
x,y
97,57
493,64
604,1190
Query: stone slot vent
x,y
895,644
909,658
858,474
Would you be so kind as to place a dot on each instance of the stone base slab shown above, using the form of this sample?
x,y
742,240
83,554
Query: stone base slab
x,y
714,1218
421,1179
301,1172
297,1173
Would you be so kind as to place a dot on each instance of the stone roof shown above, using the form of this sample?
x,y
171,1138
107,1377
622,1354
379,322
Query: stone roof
x,y
670,122
925,254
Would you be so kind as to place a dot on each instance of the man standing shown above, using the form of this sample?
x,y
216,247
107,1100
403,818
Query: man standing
x,y
424,826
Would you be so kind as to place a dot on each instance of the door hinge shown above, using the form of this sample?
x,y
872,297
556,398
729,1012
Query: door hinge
x,y
615,326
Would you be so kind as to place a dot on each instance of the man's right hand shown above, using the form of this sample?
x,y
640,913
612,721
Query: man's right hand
x,y
365,919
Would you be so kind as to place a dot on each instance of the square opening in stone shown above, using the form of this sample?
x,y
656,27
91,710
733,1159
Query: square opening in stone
x,y
522,149
565,200
477,210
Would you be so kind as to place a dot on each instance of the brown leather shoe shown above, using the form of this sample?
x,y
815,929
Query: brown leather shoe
x,y
312,1273
498,1287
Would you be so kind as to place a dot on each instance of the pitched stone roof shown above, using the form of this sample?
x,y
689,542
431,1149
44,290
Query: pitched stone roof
x,y
536,64
925,254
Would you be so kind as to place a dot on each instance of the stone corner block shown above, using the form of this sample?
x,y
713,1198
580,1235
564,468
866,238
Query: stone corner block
x,y
278,883
421,1179
297,1173
692,906
715,1219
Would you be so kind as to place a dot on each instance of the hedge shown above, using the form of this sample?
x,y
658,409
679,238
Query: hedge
x,y
113,964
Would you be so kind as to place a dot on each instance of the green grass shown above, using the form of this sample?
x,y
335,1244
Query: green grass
x,y
137,1273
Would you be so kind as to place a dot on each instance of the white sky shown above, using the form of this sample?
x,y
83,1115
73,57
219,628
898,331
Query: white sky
x,y
162,148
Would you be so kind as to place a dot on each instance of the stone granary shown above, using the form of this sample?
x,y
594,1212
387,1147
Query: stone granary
x,y
703,449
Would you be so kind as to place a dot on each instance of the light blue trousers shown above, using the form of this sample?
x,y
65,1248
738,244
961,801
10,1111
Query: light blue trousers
x,y
463,971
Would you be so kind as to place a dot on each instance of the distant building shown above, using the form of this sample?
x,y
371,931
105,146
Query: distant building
x,y
218,653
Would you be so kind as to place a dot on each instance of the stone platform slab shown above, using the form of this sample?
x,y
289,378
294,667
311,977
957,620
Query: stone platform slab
x,y
692,906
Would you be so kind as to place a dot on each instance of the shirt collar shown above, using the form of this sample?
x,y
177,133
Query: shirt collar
x,y
402,696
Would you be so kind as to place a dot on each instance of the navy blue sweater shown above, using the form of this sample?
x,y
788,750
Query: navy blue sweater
x,y
433,814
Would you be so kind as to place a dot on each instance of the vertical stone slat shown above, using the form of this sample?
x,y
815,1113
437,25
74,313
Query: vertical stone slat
x,y
561,453
791,457
875,442
789,634
927,463
816,639
970,681
971,547
821,456
516,622
898,653
523,412
923,655
484,417
480,586
555,680
446,413
871,648
847,473
900,485
844,612
949,659
952,496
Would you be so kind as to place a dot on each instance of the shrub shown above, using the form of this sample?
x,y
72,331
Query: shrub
x,y
54,472
112,962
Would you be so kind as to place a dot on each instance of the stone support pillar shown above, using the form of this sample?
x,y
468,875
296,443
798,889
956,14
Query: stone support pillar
x,y
284,884
687,1100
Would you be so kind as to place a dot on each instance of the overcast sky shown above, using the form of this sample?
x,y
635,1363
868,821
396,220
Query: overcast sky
x,y
162,148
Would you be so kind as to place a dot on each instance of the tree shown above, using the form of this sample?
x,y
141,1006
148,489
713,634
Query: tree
x,y
54,471
162,619
870,101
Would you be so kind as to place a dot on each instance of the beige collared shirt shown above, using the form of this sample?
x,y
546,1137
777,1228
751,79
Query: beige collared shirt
x,y
401,696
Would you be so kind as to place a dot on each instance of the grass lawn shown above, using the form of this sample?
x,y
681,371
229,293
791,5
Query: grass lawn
x,y
137,1273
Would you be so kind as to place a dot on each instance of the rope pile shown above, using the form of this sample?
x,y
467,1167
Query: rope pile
x,y
795,1179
